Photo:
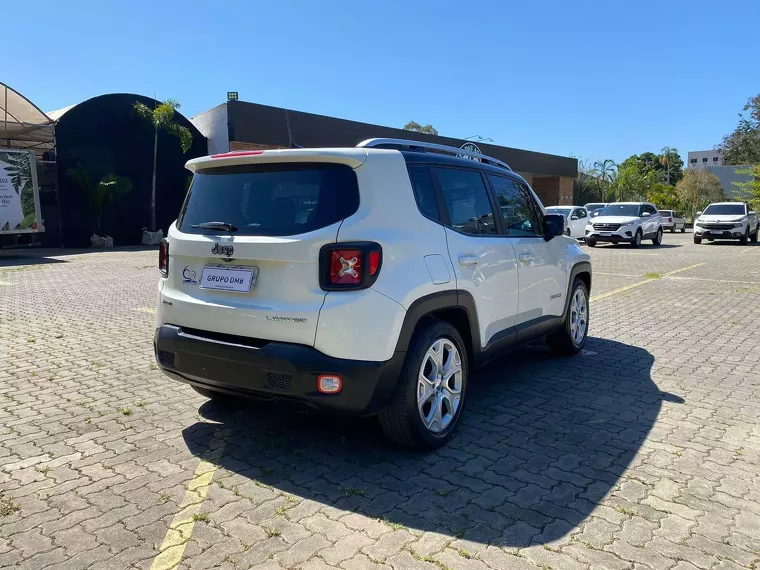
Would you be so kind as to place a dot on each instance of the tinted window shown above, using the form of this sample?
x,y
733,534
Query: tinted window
x,y
423,191
667,213
271,200
581,213
516,207
724,210
649,208
466,201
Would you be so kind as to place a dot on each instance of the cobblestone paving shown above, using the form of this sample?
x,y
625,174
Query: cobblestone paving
x,y
644,452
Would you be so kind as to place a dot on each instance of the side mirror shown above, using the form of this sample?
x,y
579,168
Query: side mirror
x,y
554,225
574,218
645,214
699,213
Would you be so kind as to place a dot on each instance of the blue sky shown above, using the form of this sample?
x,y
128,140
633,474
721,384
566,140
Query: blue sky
x,y
592,79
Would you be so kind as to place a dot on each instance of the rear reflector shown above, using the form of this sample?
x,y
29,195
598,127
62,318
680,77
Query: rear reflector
x,y
329,384
374,261
237,153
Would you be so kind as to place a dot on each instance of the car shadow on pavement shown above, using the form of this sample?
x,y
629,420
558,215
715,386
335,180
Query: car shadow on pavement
x,y
543,440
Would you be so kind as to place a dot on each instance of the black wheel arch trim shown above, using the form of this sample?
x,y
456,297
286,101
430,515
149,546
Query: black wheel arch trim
x,y
436,302
577,269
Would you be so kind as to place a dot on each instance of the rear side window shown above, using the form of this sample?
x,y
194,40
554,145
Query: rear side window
x,y
271,199
520,215
466,198
424,193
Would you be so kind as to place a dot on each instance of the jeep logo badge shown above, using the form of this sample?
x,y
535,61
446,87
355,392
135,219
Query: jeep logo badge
x,y
227,250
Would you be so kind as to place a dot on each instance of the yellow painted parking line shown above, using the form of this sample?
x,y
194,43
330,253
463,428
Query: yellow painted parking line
x,y
181,528
669,273
148,310
640,283
615,274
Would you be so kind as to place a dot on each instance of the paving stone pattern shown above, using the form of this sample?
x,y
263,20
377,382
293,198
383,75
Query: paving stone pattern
x,y
644,452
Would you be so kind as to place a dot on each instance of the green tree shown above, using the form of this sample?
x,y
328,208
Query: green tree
x,y
667,165
742,146
664,196
750,190
632,183
102,193
162,118
697,189
416,127
605,170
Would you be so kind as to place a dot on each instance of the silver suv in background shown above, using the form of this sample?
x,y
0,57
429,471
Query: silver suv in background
x,y
726,220
673,220
625,222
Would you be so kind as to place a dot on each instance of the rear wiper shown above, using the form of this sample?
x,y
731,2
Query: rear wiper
x,y
216,226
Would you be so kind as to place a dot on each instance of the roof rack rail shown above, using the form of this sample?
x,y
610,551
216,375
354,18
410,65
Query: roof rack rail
x,y
372,143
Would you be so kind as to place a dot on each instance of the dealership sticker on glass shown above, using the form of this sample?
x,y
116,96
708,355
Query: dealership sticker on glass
x,y
238,280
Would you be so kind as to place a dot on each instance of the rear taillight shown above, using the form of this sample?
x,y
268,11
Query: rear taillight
x,y
354,265
670,219
163,257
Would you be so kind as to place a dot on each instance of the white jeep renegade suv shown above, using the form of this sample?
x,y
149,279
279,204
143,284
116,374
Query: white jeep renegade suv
x,y
368,280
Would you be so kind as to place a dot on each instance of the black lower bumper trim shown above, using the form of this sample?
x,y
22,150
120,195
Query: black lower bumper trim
x,y
275,370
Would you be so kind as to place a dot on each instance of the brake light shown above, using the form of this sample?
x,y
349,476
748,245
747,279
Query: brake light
x,y
354,265
670,219
163,257
237,153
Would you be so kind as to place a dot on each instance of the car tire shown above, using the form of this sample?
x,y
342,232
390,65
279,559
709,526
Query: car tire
x,y
745,238
567,232
753,237
590,242
697,240
402,420
673,229
636,241
657,240
683,229
571,338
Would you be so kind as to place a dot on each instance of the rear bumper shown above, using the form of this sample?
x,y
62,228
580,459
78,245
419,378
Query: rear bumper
x,y
274,370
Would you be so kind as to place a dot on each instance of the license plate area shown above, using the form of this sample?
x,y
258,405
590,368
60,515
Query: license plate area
x,y
605,234
716,231
233,279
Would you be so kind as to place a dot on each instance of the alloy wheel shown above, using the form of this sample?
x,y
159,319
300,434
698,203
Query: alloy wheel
x,y
578,317
439,385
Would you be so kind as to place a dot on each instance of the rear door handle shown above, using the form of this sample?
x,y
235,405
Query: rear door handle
x,y
526,258
468,260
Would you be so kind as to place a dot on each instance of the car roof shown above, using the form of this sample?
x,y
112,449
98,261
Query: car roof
x,y
563,207
627,203
726,203
414,156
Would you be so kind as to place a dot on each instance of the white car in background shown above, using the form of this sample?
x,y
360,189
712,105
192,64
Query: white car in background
x,y
673,220
594,208
625,222
576,216
726,220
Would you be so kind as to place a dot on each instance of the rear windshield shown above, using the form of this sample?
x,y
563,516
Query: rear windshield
x,y
270,199
561,211
724,210
666,213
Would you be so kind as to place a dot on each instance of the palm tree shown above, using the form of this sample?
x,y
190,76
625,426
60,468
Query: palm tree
x,y
102,193
162,118
665,156
605,171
